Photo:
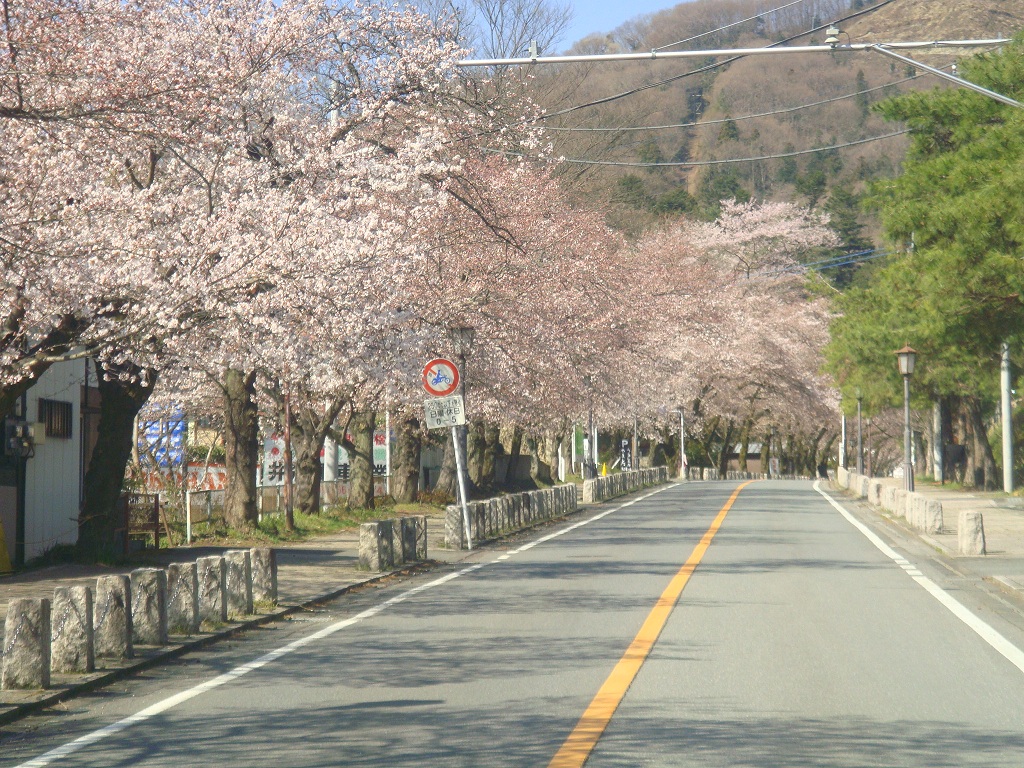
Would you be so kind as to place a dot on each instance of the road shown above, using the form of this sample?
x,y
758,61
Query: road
x,y
796,640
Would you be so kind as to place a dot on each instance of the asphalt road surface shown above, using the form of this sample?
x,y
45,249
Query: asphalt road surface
x,y
705,624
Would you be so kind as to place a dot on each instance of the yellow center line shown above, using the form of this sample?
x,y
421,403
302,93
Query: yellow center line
x,y
584,737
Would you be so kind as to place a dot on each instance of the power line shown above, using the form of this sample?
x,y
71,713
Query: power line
x,y
700,70
696,163
728,26
784,111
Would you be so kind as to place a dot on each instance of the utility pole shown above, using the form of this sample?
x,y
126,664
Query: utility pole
x,y
1006,381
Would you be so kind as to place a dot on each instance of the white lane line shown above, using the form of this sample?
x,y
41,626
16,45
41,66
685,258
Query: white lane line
x,y
65,750
983,629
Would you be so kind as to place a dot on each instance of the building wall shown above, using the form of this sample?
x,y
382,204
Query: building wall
x,y
53,479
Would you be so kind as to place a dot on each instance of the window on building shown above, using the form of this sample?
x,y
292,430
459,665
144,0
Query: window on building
x,y
56,416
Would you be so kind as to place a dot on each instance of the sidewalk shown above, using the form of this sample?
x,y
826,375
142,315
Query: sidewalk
x,y
1003,522
308,572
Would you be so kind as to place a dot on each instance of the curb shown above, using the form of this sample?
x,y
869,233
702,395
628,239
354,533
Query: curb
x,y
9,713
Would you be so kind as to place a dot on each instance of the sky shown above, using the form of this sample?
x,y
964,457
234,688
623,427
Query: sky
x,y
605,15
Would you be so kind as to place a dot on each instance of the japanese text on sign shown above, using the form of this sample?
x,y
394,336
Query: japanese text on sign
x,y
445,412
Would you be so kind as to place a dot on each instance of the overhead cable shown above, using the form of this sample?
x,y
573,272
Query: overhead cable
x,y
728,26
696,163
784,111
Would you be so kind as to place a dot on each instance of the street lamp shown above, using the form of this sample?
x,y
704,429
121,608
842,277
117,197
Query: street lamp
x,y
860,438
906,358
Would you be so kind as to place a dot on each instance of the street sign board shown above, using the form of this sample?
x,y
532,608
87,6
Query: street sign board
x,y
440,377
445,412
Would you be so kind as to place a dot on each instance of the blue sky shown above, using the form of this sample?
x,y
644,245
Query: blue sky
x,y
606,15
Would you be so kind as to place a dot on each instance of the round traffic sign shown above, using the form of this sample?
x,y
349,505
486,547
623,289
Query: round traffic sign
x,y
440,377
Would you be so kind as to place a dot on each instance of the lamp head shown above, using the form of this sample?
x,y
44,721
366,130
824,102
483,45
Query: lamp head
x,y
906,358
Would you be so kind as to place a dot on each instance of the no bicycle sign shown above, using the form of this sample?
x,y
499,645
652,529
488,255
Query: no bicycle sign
x,y
440,377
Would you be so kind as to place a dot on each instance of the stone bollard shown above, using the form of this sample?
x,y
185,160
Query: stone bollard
x,y
26,662
264,575
419,523
454,528
899,503
238,582
72,648
376,551
182,598
933,516
112,614
149,606
875,492
971,533
213,604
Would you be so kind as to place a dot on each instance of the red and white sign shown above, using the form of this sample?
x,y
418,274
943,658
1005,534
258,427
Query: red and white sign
x,y
440,377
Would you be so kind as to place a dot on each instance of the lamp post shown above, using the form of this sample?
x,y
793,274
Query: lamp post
x,y
906,358
860,437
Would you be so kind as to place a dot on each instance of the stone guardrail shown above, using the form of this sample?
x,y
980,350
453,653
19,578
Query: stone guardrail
x,y
67,635
920,512
711,473
504,514
603,488
383,544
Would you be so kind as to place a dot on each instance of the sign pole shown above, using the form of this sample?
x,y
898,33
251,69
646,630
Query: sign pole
x,y
462,486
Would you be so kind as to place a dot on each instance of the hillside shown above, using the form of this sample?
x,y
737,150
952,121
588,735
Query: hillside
x,y
756,107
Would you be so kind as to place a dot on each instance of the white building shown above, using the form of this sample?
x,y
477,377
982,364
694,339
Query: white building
x,y
42,467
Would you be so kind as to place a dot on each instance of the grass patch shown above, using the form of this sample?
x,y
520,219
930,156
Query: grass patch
x,y
271,529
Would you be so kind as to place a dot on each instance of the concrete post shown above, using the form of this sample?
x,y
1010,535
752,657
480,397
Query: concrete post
x,y
113,617
26,662
238,582
264,575
933,516
149,606
454,528
971,533
376,549
213,604
182,598
71,642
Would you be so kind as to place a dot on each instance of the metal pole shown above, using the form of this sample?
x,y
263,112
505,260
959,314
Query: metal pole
x,y
842,444
188,516
462,486
716,52
908,468
289,511
938,443
1005,381
634,458
860,442
682,445
387,451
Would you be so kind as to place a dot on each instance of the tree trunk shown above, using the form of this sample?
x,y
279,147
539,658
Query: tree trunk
x,y
985,462
492,444
723,457
540,472
360,452
551,442
309,433
99,520
515,448
405,472
744,445
447,479
241,448
475,447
